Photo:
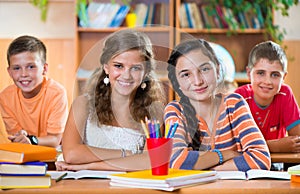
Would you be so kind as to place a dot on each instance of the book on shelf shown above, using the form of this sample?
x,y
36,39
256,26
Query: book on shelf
x,y
14,182
230,18
150,14
195,16
183,20
207,15
164,19
27,168
101,14
96,174
221,16
176,179
119,16
141,10
20,153
259,15
188,15
253,174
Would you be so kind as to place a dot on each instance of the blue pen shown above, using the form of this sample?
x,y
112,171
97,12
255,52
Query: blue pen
x,y
174,129
157,128
153,131
150,129
170,130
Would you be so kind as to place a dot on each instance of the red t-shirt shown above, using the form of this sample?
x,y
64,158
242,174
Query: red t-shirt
x,y
280,116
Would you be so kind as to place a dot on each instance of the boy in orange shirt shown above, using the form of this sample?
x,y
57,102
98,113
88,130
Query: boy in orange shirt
x,y
34,109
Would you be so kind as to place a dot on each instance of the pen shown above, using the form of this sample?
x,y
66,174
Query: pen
x,y
145,128
61,177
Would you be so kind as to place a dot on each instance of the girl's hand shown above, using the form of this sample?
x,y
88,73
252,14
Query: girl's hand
x,y
63,166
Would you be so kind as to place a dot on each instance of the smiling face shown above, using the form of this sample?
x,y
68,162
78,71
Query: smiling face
x,y
196,76
126,72
266,79
27,70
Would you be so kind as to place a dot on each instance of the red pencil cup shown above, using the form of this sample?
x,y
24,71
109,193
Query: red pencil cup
x,y
160,150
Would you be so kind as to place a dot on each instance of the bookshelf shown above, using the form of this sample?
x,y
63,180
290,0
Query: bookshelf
x,y
88,43
238,42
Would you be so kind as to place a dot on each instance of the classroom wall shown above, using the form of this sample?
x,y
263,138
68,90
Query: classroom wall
x,y
292,42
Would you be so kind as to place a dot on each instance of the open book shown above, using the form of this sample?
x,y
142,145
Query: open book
x,y
254,174
174,180
81,174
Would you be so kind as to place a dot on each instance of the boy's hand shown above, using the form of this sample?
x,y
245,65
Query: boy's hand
x,y
20,137
288,144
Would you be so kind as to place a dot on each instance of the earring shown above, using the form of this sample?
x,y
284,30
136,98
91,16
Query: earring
x,y
106,80
143,85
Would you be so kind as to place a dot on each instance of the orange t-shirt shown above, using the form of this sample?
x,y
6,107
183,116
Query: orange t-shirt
x,y
45,113
3,134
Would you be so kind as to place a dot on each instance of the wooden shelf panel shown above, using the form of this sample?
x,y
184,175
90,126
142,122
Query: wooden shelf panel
x,y
222,31
110,30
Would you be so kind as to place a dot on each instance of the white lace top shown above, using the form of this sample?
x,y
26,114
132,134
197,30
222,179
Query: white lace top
x,y
111,137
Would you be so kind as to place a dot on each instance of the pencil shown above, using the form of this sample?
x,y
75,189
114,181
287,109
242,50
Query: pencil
x,y
167,129
61,177
145,129
173,129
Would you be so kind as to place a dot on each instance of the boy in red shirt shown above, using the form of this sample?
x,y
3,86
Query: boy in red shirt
x,y
272,102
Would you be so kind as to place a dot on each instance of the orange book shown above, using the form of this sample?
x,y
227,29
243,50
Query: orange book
x,y
295,178
19,153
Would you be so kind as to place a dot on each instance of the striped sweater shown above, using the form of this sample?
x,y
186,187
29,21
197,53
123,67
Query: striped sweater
x,y
235,130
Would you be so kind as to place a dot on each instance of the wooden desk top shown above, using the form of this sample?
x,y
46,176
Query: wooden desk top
x,y
286,157
90,186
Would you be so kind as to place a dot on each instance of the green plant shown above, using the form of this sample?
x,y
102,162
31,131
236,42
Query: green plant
x,y
267,8
43,6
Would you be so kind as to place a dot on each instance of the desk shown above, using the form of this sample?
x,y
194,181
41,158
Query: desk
x,y
286,157
90,186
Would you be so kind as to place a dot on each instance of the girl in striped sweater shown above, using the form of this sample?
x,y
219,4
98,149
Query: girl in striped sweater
x,y
215,130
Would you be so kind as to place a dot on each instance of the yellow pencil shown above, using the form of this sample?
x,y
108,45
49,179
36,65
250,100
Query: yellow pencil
x,y
167,129
145,128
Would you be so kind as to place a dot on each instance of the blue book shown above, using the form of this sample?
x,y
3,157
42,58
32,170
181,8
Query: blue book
x,y
23,169
120,16
188,14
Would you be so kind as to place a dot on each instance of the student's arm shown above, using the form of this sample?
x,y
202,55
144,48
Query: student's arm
x,y
52,140
290,114
131,163
209,159
254,149
74,149
185,157
12,126
291,143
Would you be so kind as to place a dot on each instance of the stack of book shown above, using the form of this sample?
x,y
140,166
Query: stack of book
x,y
176,179
21,166
294,171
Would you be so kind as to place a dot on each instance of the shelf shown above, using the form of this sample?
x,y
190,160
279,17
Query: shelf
x,y
89,44
223,31
110,30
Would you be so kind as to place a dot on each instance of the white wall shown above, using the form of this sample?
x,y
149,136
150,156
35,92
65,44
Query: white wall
x,y
19,17
290,23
